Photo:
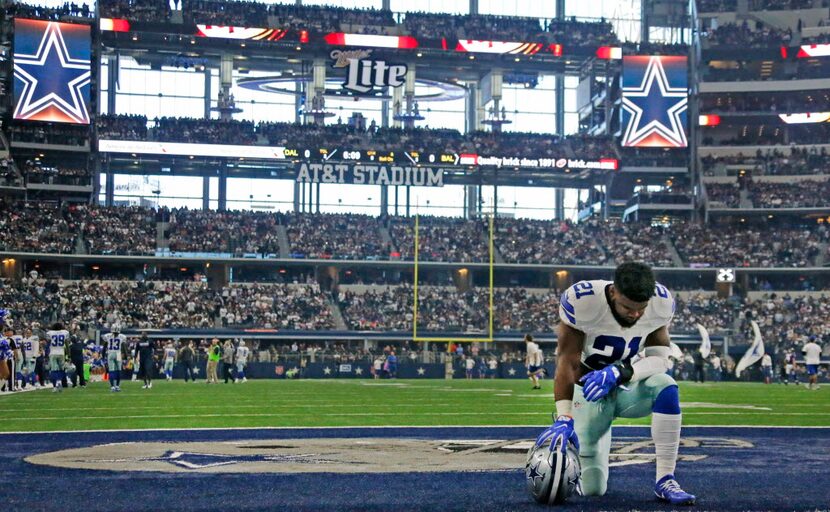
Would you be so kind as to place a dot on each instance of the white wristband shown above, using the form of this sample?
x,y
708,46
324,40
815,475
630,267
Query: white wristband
x,y
564,408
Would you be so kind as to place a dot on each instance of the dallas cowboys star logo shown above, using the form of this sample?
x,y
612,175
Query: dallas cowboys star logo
x,y
656,109
197,460
52,79
421,371
532,473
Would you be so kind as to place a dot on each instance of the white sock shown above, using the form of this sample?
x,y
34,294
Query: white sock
x,y
665,431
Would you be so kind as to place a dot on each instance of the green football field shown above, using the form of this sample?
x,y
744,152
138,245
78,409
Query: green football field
x,y
316,403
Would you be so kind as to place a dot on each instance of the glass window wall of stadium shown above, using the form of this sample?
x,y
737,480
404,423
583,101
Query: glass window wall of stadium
x,y
179,91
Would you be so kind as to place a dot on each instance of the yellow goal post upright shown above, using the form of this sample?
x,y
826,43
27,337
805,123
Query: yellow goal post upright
x,y
490,316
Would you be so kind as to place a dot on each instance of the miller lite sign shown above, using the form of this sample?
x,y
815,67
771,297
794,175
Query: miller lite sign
x,y
363,74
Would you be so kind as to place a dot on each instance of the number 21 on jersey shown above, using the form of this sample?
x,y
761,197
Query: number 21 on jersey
x,y
621,350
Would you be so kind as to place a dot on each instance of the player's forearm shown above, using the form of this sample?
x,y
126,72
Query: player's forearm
x,y
656,361
567,371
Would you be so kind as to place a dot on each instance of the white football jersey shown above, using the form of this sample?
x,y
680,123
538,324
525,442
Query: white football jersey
x,y
114,343
242,354
812,353
170,353
57,340
584,307
532,350
30,347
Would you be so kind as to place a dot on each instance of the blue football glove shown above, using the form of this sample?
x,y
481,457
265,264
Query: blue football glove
x,y
562,429
598,383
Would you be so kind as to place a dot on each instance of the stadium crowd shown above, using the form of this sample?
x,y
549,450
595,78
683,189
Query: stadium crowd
x,y
785,320
235,232
799,194
33,227
771,194
796,161
332,236
727,194
115,230
755,5
440,239
746,35
12,8
817,101
144,305
535,241
749,246
47,133
310,136
133,230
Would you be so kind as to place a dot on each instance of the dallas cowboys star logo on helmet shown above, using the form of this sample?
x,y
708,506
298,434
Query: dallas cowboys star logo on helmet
x,y
532,473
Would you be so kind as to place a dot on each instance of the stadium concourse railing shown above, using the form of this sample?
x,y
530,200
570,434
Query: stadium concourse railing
x,y
704,272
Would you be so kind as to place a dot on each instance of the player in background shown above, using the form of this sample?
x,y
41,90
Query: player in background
x,y
57,338
144,353
17,351
30,346
392,365
532,361
169,360
766,368
242,353
812,358
790,367
114,344
13,361
603,324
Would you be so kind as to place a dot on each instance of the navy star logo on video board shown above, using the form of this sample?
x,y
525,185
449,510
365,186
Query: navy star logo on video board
x,y
52,71
655,101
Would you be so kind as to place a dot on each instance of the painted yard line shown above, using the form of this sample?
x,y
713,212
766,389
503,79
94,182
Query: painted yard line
x,y
425,405
352,414
375,427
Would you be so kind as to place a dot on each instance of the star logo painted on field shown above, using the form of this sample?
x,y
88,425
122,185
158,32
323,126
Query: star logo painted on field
x,y
52,79
421,371
327,370
511,371
358,371
196,460
532,473
655,107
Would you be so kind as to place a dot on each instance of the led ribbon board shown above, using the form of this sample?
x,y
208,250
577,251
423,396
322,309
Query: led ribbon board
x,y
242,33
51,71
813,50
655,101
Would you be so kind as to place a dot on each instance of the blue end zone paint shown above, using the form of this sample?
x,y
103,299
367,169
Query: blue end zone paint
x,y
786,469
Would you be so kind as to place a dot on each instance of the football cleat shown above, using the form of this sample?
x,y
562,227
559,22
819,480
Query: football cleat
x,y
667,489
